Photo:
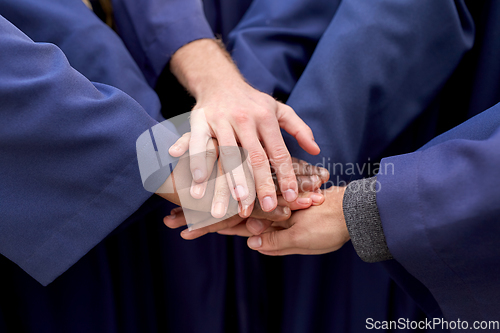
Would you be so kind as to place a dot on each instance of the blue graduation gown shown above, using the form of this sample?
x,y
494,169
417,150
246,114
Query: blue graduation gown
x,y
143,277
275,39
153,30
68,155
440,211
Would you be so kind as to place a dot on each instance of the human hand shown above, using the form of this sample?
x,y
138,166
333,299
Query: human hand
x,y
316,230
282,212
232,111
309,177
181,179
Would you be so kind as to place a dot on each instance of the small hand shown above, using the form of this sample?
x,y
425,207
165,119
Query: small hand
x,y
232,111
309,177
283,211
316,230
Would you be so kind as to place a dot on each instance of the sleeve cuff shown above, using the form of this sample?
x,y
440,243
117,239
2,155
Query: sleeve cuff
x,y
177,34
363,220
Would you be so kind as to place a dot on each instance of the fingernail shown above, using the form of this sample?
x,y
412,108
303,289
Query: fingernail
x,y
198,190
255,242
290,195
176,210
175,147
219,210
172,216
315,179
198,175
255,225
286,210
267,204
316,197
324,173
304,201
240,191
246,210
185,232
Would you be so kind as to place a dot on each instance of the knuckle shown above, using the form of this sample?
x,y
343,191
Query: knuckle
x,y
211,153
277,216
221,192
266,187
266,113
241,117
308,169
258,159
287,108
281,155
229,152
273,240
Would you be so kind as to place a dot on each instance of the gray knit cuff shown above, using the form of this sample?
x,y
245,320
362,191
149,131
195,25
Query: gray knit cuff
x,y
363,220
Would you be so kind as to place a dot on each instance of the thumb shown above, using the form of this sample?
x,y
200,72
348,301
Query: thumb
x,y
274,240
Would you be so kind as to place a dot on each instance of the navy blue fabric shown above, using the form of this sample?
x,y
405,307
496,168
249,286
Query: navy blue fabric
x,y
385,78
275,39
143,277
91,47
224,15
440,213
386,62
217,284
154,29
68,155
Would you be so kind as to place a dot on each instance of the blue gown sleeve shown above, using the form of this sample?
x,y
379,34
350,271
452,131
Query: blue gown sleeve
x,y
375,70
440,209
91,47
154,29
275,39
68,161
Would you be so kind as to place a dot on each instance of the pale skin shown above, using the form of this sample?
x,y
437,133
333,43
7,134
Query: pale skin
x,y
229,109
316,230
309,178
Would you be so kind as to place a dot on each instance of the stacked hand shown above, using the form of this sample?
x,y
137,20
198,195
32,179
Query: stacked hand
x,y
308,178
229,109
316,230
234,113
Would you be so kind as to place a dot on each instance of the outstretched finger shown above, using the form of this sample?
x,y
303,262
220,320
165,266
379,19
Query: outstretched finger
x,y
220,201
280,159
264,184
200,135
198,189
181,146
275,240
230,157
291,123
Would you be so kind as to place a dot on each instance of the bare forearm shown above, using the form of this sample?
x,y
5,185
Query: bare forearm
x,y
203,66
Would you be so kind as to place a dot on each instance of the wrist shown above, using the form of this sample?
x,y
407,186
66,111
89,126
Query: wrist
x,y
203,67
